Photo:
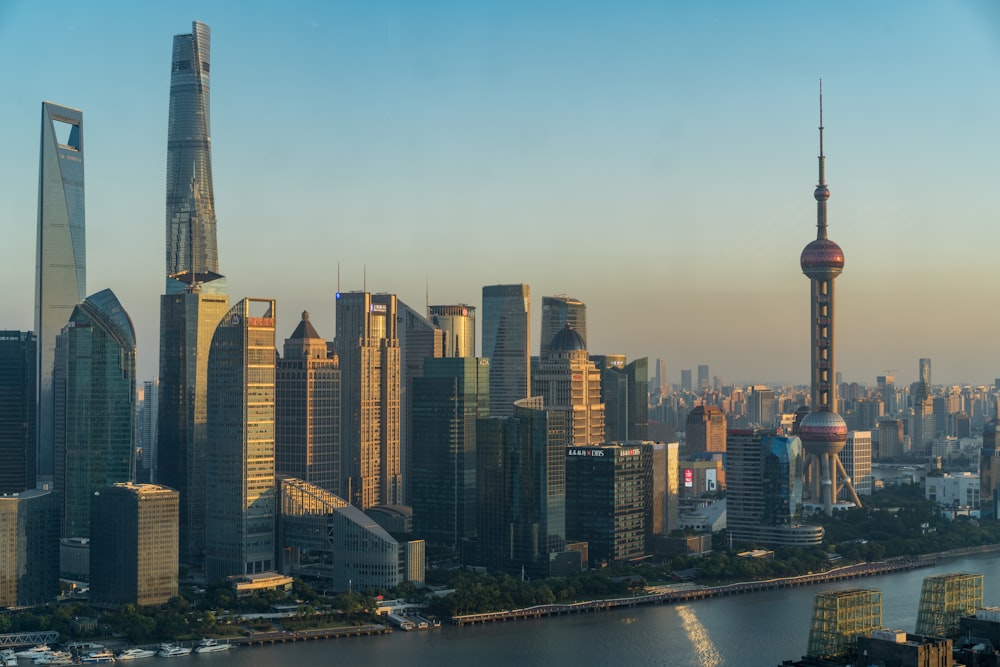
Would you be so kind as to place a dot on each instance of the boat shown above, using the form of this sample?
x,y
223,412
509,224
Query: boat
x,y
172,651
7,658
135,654
55,658
34,652
104,655
209,645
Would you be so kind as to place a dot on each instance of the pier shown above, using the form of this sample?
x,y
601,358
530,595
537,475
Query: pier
x,y
691,594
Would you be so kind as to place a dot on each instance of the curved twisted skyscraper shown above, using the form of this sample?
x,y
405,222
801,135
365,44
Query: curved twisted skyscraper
x,y
191,245
61,261
196,297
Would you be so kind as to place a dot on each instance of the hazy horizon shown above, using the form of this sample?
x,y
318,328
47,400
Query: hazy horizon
x,y
654,160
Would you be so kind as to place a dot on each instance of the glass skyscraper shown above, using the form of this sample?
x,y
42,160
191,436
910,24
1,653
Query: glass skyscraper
x,y
61,260
196,295
240,500
191,245
18,358
97,362
506,327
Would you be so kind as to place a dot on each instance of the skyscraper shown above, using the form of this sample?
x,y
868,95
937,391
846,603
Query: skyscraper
x,y
61,258
568,381
18,390
447,400
625,394
191,245
196,295
133,551
557,312
705,428
97,360
307,412
29,550
506,329
419,339
148,415
240,521
367,344
823,431
703,380
458,323
521,487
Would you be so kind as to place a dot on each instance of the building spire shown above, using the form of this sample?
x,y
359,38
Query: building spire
x,y
822,192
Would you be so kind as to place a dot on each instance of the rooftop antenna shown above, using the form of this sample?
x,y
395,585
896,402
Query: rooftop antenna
x,y
338,277
364,279
427,296
822,192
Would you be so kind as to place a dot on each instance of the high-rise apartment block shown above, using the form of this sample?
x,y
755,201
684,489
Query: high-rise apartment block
x,y
558,312
240,500
133,547
97,412
367,345
61,256
506,329
568,381
458,323
29,548
448,398
890,439
307,409
18,396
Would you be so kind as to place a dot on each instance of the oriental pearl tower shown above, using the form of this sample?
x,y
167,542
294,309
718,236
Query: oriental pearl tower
x,y
823,432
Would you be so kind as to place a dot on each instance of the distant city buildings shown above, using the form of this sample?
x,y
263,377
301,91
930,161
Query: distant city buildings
x,y
705,428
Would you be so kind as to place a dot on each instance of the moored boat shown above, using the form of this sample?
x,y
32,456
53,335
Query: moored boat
x,y
135,654
209,645
172,651
103,655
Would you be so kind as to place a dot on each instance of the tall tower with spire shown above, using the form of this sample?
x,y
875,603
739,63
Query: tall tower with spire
x,y
823,432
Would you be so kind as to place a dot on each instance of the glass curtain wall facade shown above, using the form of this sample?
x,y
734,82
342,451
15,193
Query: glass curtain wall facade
x,y
18,352
100,400
240,537
29,548
448,399
506,329
61,258
191,243
458,323
187,324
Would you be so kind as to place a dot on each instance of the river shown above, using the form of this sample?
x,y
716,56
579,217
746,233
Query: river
x,y
753,630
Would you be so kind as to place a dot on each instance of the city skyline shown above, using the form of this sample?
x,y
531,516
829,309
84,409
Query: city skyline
x,y
384,129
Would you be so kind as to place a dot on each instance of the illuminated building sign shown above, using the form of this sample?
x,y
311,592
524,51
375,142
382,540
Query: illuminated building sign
x,y
584,452
688,478
378,308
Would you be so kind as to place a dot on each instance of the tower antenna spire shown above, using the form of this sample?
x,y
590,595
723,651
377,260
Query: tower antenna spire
x,y
822,192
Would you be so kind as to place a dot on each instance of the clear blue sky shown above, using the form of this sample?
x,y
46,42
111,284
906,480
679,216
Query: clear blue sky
x,y
654,159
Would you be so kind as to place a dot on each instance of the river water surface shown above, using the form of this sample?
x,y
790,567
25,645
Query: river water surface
x,y
757,629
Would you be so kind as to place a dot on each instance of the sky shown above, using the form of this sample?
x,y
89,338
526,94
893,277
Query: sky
x,y
655,160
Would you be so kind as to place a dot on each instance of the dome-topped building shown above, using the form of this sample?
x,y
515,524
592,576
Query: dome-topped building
x,y
567,339
567,379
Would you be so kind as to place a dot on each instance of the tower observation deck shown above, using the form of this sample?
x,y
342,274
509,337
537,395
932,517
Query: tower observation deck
x,y
823,432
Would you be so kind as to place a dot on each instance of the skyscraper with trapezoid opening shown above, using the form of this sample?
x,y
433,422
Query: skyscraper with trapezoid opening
x,y
61,258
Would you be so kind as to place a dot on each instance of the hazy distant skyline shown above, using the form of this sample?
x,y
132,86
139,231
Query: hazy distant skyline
x,y
655,160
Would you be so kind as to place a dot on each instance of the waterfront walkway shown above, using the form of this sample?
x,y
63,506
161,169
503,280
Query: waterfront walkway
x,y
681,595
